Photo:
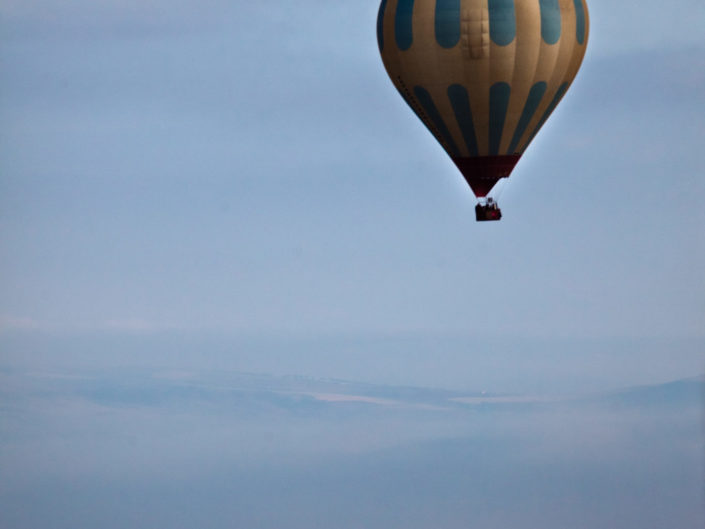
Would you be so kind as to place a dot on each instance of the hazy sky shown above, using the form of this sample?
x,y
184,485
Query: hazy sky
x,y
192,192
211,172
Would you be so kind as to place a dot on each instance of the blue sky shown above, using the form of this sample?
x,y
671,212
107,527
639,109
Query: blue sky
x,y
223,172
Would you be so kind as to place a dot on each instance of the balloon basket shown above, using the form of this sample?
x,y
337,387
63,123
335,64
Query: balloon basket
x,y
487,211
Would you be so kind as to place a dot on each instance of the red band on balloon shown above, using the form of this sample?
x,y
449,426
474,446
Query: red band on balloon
x,y
483,172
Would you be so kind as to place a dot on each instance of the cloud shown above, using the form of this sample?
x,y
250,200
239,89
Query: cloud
x,y
641,25
113,325
133,325
12,323
109,18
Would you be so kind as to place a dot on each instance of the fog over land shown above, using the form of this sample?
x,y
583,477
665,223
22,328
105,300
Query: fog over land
x,y
158,447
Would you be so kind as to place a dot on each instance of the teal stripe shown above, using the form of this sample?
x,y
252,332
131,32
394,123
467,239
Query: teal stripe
x,y
503,25
580,21
499,102
429,107
403,24
447,22
380,24
550,21
556,99
532,103
460,101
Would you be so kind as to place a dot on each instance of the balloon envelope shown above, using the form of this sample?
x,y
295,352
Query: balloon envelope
x,y
483,75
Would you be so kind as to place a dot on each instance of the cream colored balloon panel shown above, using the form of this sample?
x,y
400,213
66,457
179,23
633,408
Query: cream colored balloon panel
x,y
482,74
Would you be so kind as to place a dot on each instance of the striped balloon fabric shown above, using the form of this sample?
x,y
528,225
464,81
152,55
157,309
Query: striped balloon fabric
x,y
483,75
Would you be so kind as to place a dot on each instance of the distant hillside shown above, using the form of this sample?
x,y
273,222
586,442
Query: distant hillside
x,y
680,393
256,393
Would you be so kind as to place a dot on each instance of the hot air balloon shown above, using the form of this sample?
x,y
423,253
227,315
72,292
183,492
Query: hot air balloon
x,y
483,75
